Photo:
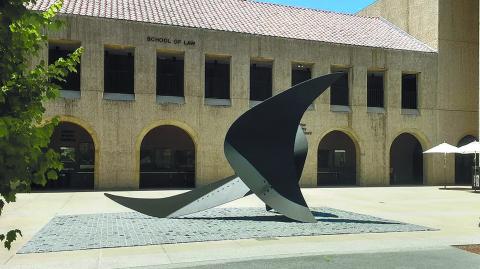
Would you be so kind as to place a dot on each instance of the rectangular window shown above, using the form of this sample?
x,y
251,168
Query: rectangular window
x,y
339,158
300,73
260,81
170,73
375,89
339,90
217,78
119,71
164,158
409,91
56,51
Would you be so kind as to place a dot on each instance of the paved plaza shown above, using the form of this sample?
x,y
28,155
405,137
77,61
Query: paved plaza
x,y
454,214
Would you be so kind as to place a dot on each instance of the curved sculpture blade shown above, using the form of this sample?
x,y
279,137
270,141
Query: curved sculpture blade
x,y
300,151
267,148
199,199
260,147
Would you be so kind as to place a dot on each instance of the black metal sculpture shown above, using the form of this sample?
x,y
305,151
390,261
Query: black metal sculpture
x,y
267,150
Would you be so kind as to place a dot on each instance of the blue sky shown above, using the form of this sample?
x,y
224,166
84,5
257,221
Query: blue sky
x,y
343,6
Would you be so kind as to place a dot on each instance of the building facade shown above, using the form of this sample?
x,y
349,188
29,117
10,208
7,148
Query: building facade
x,y
451,27
159,87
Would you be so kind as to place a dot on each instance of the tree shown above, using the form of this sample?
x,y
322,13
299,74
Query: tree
x,y
24,87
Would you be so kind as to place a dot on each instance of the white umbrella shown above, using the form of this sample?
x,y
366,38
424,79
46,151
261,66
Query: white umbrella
x,y
472,148
443,148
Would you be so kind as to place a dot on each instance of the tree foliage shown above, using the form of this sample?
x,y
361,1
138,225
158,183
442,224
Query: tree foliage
x,y
24,87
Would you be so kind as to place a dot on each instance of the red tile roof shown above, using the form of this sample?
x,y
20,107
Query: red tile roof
x,y
245,16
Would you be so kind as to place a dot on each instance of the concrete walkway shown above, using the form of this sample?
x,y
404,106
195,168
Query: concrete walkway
x,y
456,213
445,258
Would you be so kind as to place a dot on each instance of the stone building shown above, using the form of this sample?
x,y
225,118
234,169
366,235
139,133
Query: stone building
x,y
451,27
161,81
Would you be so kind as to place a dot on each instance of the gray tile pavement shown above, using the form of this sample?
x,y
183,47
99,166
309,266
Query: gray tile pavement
x,y
108,230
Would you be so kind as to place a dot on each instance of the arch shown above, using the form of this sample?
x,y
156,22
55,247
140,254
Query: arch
x,y
464,163
169,127
96,142
418,134
347,131
78,145
406,161
82,123
337,159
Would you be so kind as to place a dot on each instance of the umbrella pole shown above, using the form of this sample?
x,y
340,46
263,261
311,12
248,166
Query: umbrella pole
x,y
444,169
474,171
474,164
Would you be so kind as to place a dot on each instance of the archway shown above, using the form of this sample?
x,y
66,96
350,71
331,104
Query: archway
x,y
77,153
167,159
464,163
336,160
406,161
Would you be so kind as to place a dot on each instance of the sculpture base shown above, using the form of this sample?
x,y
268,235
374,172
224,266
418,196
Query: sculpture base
x,y
93,231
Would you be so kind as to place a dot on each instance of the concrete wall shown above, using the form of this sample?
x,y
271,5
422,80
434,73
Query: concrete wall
x,y
450,25
457,63
416,17
119,126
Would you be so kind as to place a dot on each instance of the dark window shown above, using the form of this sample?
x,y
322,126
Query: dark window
x,y
406,161
324,158
375,89
331,158
336,160
167,158
339,158
119,70
339,89
72,81
409,91
217,79
77,154
300,73
170,75
260,81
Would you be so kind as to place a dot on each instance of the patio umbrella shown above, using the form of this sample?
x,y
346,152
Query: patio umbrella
x,y
472,148
444,148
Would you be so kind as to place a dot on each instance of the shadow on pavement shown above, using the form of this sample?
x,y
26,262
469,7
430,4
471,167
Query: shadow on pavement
x,y
466,189
319,216
358,221
276,218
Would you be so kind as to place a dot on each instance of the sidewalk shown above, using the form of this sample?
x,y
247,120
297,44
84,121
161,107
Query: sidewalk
x,y
447,258
456,213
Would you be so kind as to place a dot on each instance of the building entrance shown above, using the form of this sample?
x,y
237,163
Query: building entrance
x,y
336,160
464,163
77,153
406,161
167,159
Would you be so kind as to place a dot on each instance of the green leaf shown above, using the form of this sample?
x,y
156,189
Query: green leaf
x,y
14,184
24,155
10,237
52,175
3,128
